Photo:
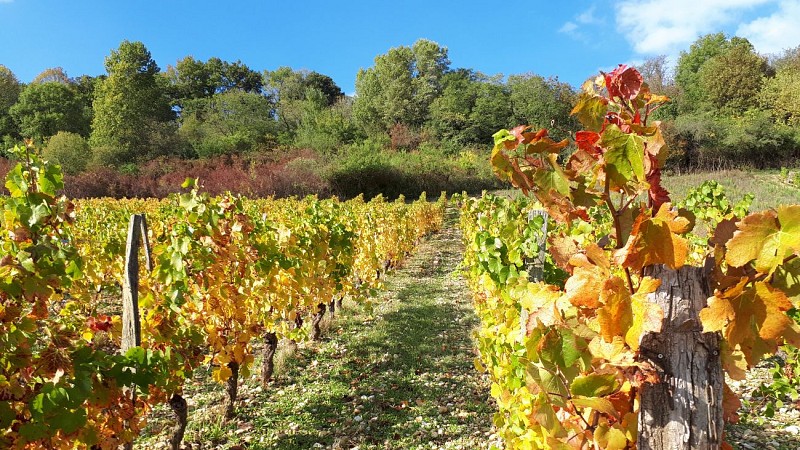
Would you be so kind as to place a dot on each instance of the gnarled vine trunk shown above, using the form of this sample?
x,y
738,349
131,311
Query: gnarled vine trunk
x,y
332,307
181,412
268,362
232,389
316,333
683,410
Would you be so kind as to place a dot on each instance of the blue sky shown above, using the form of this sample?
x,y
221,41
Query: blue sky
x,y
571,40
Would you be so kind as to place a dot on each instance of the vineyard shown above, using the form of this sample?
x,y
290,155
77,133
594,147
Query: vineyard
x,y
225,271
606,313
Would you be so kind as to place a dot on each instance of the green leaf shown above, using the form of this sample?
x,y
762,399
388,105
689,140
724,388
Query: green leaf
x,y
594,385
68,421
189,183
50,179
552,180
624,155
590,111
15,182
38,213
7,415
787,279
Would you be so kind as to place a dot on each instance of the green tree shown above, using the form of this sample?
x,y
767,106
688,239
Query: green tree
x,y
70,150
470,109
10,88
491,112
130,107
539,101
687,72
731,81
295,93
190,79
326,128
45,108
450,112
400,87
229,123
781,95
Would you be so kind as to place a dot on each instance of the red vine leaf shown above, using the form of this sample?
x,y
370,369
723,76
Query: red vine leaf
x,y
730,404
623,82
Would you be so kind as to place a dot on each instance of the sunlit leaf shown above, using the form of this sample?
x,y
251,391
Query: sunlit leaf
x,y
768,238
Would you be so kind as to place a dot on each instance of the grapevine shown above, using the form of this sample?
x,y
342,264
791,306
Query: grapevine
x,y
572,376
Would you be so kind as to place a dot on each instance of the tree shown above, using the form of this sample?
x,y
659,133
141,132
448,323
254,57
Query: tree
x,y
130,107
295,93
492,109
191,79
70,150
781,94
450,112
46,108
539,101
687,72
229,123
400,87
731,81
54,74
326,128
470,109
656,73
10,89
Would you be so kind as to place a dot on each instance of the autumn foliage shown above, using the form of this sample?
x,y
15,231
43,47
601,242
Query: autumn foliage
x,y
564,358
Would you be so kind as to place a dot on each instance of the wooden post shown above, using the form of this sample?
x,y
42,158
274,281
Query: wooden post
x,y
131,325
684,410
535,265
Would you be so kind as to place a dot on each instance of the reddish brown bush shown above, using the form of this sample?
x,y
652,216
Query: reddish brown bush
x,y
284,175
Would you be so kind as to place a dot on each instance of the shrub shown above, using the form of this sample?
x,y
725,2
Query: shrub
x,y
70,150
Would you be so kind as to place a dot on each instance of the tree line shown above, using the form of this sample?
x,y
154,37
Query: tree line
x,y
731,107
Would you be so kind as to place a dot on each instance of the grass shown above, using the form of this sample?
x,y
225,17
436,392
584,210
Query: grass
x,y
767,187
398,377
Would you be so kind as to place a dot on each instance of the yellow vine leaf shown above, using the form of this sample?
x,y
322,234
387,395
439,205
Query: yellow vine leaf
x,y
647,316
222,373
615,317
614,351
768,238
752,318
584,286
590,272
656,240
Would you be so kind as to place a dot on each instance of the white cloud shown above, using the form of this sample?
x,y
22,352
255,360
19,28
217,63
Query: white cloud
x,y
777,32
587,17
664,27
568,28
